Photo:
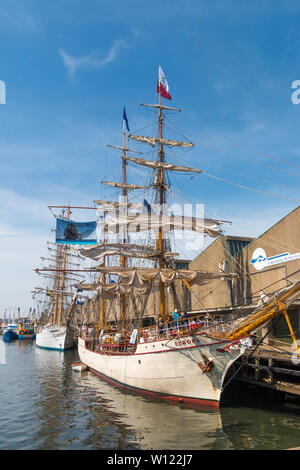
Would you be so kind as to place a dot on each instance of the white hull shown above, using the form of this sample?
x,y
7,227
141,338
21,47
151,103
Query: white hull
x,y
168,369
55,337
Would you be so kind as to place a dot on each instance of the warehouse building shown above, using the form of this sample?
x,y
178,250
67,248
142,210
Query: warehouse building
x,y
263,265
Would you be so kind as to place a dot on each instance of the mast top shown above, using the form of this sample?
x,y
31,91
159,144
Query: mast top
x,y
160,106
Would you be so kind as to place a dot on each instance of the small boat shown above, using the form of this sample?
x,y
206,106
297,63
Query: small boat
x,y
10,333
79,367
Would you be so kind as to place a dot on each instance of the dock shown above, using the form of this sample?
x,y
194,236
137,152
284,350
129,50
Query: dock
x,y
272,367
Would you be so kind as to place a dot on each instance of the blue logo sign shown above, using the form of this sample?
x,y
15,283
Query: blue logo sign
x,y
260,260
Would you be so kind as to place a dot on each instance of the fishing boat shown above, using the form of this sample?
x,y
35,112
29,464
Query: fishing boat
x,y
10,333
25,330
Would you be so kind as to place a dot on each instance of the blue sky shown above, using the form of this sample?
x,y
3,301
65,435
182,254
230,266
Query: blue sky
x,y
71,66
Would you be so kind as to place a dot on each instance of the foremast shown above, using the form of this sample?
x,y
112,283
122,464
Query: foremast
x,y
124,235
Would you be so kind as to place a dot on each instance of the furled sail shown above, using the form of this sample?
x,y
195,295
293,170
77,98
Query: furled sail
x,y
154,140
160,165
118,205
113,289
136,281
130,187
139,276
124,149
118,249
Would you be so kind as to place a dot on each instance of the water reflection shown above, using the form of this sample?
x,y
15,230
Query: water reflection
x,y
46,405
156,425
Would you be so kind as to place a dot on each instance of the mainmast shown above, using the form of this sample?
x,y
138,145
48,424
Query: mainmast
x,y
161,195
133,280
102,311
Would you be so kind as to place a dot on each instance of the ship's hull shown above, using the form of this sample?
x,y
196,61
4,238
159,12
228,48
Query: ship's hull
x,y
9,336
189,370
58,338
29,336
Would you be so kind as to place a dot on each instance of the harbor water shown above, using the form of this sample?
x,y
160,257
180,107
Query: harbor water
x,y
47,405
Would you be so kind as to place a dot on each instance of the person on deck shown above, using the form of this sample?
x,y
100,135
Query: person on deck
x,y
160,327
185,319
168,323
175,318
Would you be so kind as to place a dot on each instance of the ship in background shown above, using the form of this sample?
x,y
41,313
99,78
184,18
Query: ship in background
x,y
54,330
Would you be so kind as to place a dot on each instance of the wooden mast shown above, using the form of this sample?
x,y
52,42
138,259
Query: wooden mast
x,y
63,276
103,282
57,281
161,197
124,196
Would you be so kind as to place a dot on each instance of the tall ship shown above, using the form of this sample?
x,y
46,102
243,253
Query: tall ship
x,y
55,298
181,358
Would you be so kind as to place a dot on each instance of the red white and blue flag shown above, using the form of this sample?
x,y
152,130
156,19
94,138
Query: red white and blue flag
x,y
162,85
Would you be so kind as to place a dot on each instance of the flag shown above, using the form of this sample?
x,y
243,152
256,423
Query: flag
x,y
125,119
76,233
148,206
162,85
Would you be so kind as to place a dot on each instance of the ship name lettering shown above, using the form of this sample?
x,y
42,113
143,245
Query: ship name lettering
x,y
183,343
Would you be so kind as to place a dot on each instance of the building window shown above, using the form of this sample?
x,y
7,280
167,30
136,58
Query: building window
x,y
235,246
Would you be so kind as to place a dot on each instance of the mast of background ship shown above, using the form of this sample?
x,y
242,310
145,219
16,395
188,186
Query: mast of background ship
x,y
63,275
58,278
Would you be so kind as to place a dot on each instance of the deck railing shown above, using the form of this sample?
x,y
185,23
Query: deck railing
x,y
113,342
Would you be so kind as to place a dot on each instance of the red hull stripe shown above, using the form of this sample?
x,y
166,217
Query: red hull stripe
x,y
173,398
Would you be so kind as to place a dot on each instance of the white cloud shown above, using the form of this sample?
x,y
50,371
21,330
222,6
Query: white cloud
x,y
73,64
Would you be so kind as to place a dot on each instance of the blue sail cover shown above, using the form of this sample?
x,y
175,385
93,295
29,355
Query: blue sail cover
x,y
76,233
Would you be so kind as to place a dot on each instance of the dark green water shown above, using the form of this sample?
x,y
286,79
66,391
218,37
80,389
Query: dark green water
x,y
44,404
